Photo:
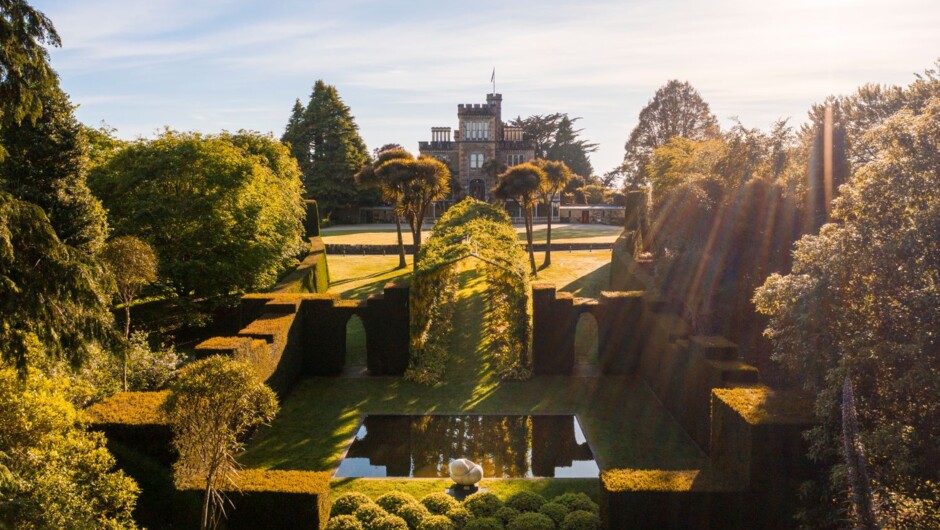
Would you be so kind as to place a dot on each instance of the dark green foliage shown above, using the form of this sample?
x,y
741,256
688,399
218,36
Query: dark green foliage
x,y
366,513
348,503
484,523
413,514
577,501
24,63
53,298
555,511
224,213
394,500
324,138
437,522
581,520
459,515
47,165
506,514
343,522
439,503
531,521
525,501
312,220
570,150
483,504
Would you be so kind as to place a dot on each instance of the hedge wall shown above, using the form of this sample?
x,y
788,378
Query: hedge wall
x,y
312,275
312,220
135,419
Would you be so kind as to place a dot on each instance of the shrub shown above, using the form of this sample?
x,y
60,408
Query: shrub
x,y
343,522
459,515
577,501
581,520
531,521
556,511
413,514
525,501
437,522
439,503
387,522
394,500
348,503
506,514
482,504
367,513
484,523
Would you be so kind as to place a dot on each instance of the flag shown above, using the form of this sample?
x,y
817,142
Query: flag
x,y
493,77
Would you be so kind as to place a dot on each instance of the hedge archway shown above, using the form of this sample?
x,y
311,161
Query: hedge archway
x,y
471,229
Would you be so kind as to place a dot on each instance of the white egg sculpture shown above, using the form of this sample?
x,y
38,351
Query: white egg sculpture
x,y
465,472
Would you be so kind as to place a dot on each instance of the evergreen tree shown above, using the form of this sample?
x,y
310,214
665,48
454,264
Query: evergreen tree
x,y
570,150
47,165
325,140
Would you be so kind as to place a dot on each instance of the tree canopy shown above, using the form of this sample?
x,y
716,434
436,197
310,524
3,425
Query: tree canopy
x,y
677,109
555,138
324,138
223,212
521,184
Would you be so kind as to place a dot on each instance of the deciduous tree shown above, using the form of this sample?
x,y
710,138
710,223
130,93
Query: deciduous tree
x,y
214,403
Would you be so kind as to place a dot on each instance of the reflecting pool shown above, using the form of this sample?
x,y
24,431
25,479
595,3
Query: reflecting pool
x,y
506,446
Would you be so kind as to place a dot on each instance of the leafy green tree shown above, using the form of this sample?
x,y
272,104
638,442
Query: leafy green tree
x,y
53,473
47,165
570,150
53,298
325,141
133,265
556,178
677,109
224,213
862,302
521,185
215,402
24,63
540,129
389,184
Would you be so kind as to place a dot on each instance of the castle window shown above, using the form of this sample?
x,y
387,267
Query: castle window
x,y
477,130
476,160
514,159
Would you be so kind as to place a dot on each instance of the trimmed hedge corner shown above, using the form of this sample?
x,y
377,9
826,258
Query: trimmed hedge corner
x,y
136,420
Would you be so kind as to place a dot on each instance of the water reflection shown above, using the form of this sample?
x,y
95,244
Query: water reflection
x,y
506,446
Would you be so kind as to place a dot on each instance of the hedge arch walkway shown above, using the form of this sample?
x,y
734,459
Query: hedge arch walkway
x,y
471,229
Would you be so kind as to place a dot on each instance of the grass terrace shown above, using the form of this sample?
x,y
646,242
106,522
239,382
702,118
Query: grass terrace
x,y
384,234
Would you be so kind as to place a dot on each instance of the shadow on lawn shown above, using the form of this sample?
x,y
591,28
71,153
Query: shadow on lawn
x,y
590,285
375,287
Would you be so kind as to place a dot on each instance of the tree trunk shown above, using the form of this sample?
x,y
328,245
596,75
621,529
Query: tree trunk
x,y
205,506
401,242
528,236
548,236
416,221
127,336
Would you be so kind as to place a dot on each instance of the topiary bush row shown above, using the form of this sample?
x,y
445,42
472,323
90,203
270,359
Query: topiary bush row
x,y
481,511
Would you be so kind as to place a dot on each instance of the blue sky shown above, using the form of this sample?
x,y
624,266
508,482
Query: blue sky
x,y
403,67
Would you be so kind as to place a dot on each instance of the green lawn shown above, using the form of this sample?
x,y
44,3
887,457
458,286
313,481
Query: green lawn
x,y
621,418
385,234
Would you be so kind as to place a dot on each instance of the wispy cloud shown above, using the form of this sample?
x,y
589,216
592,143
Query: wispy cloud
x,y
231,63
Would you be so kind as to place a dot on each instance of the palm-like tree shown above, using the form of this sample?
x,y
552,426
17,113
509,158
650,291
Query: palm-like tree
x,y
521,184
389,184
556,178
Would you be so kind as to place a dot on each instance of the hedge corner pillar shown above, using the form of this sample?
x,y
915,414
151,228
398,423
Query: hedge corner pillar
x,y
619,335
386,320
552,331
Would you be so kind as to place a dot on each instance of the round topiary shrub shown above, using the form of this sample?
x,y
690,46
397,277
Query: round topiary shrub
x,y
531,521
506,514
394,500
577,501
484,523
343,522
369,512
459,515
348,503
525,501
437,522
413,514
439,503
581,520
387,522
482,504
555,511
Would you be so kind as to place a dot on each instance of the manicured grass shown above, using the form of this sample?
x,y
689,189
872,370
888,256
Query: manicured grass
x,y
357,277
385,234
621,418
548,488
